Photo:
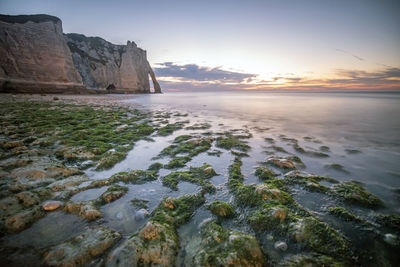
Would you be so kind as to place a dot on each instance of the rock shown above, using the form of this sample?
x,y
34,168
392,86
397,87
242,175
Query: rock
x,y
157,243
391,239
210,171
43,65
80,250
147,248
151,231
141,214
280,245
268,192
86,210
30,174
221,209
119,215
102,64
354,193
320,237
113,193
51,205
28,198
11,144
282,163
23,219
62,172
224,247
169,203
67,182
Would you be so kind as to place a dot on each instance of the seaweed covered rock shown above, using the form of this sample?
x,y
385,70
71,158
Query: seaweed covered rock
x,y
134,176
283,163
22,220
272,217
319,236
113,193
389,220
230,141
354,193
224,247
157,243
345,214
265,173
196,175
80,250
221,209
87,210
312,259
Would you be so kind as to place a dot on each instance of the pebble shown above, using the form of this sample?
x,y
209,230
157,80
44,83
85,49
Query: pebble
x,y
119,215
51,205
281,245
391,239
141,214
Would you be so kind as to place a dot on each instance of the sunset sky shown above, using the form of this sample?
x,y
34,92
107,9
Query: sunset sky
x,y
254,44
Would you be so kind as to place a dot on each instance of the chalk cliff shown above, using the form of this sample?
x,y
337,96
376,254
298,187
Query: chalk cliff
x,y
34,56
106,65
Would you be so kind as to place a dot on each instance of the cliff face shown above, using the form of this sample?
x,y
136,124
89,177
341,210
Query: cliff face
x,y
106,65
34,56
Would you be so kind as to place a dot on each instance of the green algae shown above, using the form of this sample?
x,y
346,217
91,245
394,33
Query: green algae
x,y
224,247
196,175
312,259
110,159
336,167
389,220
265,173
187,146
155,167
95,130
345,214
320,237
113,193
170,128
140,203
221,209
199,126
230,141
354,193
134,176
174,212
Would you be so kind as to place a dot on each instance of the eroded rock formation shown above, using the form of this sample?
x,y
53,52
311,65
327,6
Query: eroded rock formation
x,y
35,56
106,65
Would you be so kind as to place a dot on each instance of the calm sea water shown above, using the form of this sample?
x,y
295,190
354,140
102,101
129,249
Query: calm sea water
x,y
367,124
358,132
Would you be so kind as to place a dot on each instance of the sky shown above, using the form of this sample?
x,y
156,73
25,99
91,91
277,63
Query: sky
x,y
249,45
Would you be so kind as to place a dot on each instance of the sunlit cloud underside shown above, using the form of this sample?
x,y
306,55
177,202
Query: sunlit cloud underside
x,y
175,77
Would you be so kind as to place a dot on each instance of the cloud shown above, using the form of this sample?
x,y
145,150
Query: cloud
x,y
193,72
348,53
192,77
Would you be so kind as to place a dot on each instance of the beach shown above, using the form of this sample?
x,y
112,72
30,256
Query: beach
x,y
288,178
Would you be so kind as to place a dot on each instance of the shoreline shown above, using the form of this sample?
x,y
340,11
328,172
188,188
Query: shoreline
x,y
49,142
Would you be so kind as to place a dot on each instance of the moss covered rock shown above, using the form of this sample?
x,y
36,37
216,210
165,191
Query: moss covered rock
x,y
157,243
221,209
224,247
354,193
82,249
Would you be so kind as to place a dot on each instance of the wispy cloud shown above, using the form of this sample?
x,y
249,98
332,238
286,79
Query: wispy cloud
x,y
193,72
348,53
